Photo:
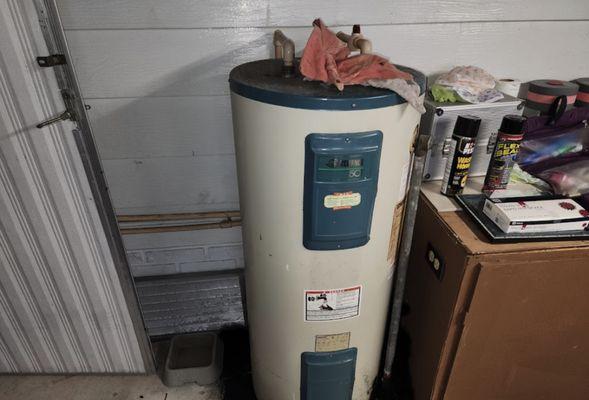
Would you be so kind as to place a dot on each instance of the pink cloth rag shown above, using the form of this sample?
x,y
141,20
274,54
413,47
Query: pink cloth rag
x,y
325,59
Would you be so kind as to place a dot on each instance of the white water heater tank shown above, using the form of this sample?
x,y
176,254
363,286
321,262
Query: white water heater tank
x,y
322,178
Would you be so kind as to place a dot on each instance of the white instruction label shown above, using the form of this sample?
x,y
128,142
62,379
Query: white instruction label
x,y
332,304
342,201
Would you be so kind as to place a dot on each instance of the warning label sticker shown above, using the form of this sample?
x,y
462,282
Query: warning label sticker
x,y
334,342
342,201
332,304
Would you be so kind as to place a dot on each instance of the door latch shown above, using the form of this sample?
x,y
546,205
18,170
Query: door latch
x,y
446,146
66,115
51,61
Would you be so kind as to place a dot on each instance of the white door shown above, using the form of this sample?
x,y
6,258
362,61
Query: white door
x,y
67,301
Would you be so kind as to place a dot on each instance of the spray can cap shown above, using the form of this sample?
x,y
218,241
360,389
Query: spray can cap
x,y
512,124
467,125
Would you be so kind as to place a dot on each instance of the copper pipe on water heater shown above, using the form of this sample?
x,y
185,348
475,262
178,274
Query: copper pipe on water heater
x,y
284,48
356,41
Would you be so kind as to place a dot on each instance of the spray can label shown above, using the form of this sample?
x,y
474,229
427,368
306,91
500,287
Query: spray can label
x,y
502,162
458,164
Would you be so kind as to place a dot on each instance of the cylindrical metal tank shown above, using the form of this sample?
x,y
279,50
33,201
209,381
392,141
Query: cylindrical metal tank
x,y
322,175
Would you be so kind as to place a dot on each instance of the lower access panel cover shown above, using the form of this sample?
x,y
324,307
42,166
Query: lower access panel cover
x,y
328,375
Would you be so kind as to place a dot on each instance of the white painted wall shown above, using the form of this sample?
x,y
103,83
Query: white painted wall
x,y
155,74
180,252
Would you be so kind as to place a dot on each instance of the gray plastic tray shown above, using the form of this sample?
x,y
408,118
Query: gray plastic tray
x,y
197,357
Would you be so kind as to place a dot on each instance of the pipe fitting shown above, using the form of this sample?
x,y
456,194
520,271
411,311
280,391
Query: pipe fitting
x,y
356,41
284,48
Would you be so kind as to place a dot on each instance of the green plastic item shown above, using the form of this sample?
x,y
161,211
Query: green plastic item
x,y
442,94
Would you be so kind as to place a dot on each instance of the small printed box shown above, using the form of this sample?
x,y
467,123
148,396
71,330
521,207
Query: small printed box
x,y
524,215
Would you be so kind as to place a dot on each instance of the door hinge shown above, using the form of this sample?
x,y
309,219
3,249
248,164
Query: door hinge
x,y
51,61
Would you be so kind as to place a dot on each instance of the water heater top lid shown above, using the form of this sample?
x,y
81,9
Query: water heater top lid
x,y
263,81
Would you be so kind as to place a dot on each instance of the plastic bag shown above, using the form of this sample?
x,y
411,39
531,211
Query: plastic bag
x,y
542,148
469,83
558,151
570,179
518,175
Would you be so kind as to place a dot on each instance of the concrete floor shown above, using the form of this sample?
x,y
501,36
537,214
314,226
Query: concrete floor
x,y
77,387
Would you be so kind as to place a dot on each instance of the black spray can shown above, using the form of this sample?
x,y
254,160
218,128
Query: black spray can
x,y
506,149
461,149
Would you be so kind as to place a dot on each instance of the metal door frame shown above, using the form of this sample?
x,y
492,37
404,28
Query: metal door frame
x,y
54,36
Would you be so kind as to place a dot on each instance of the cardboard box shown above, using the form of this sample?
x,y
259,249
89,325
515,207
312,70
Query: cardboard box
x,y
494,321
546,215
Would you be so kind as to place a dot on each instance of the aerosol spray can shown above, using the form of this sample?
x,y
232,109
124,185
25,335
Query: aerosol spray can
x,y
461,149
506,149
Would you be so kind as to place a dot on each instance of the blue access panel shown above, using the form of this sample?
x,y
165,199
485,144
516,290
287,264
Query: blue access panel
x,y
341,176
329,375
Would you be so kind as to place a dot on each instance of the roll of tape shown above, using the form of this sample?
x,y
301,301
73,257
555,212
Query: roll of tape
x,y
508,86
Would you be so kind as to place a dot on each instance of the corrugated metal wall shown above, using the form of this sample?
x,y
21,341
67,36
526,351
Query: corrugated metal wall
x,y
61,302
